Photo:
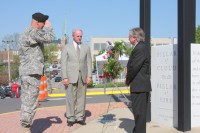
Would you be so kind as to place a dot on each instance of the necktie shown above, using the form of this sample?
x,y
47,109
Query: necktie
x,y
78,51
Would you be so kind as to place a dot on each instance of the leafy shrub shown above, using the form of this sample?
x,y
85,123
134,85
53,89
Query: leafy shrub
x,y
108,85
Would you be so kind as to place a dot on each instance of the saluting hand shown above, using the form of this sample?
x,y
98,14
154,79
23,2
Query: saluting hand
x,y
47,24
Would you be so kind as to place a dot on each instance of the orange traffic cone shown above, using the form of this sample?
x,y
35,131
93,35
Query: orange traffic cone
x,y
45,86
41,92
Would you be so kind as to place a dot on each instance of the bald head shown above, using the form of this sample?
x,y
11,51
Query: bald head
x,y
77,35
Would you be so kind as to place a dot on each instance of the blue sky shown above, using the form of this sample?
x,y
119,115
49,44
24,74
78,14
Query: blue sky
x,y
97,18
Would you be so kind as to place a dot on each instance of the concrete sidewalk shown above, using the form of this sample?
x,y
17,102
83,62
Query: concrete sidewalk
x,y
121,120
100,118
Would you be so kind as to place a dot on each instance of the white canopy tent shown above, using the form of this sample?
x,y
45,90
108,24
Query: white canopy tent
x,y
103,57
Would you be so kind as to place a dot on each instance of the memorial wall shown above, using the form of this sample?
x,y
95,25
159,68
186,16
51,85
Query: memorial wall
x,y
164,81
195,85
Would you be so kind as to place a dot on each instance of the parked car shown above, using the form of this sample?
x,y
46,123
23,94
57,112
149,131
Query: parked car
x,y
2,93
54,66
8,91
58,79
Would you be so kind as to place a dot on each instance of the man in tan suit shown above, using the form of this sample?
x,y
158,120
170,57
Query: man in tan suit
x,y
76,68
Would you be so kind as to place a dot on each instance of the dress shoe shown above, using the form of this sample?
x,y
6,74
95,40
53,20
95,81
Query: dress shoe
x,y
81,122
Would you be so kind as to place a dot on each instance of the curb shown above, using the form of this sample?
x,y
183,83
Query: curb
x,y
93,93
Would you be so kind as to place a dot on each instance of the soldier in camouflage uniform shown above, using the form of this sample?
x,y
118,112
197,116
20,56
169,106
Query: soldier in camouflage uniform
x,y
31,65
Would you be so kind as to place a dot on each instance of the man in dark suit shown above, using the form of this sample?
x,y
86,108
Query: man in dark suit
x,y
76,68
138,77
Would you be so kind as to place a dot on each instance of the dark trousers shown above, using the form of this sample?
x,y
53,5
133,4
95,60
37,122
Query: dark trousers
x,y
139,108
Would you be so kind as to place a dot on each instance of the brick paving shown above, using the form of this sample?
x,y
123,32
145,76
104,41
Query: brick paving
x,y
52,119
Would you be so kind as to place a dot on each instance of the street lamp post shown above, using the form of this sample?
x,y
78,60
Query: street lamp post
x,y
8,49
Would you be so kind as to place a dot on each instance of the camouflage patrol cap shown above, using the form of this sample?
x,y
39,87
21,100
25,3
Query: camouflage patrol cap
x,y
40,17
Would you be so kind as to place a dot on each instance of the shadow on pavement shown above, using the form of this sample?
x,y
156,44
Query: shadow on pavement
x,y
126,100
41,124
87,114
127,124
108,118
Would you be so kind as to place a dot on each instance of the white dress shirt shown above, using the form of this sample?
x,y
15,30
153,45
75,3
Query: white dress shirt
x,y
75,45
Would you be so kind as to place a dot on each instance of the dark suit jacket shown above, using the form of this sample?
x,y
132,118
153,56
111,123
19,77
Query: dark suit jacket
x,y
138,69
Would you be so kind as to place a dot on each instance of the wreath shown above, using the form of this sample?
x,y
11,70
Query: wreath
x,y
112,68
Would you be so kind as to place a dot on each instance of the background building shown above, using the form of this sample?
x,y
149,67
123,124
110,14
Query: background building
x,y
98,44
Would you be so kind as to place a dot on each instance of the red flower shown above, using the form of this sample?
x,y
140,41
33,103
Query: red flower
x,y
104,57
105,64
107,75
100,76
110,52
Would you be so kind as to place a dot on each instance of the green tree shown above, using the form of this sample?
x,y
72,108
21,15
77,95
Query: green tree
x,y
3,68
197,36
48,52
15,67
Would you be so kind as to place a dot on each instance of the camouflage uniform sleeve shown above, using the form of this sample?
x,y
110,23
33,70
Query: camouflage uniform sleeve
x,y
41,36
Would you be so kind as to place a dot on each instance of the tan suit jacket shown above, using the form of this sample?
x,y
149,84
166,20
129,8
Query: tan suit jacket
x,y
70,65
